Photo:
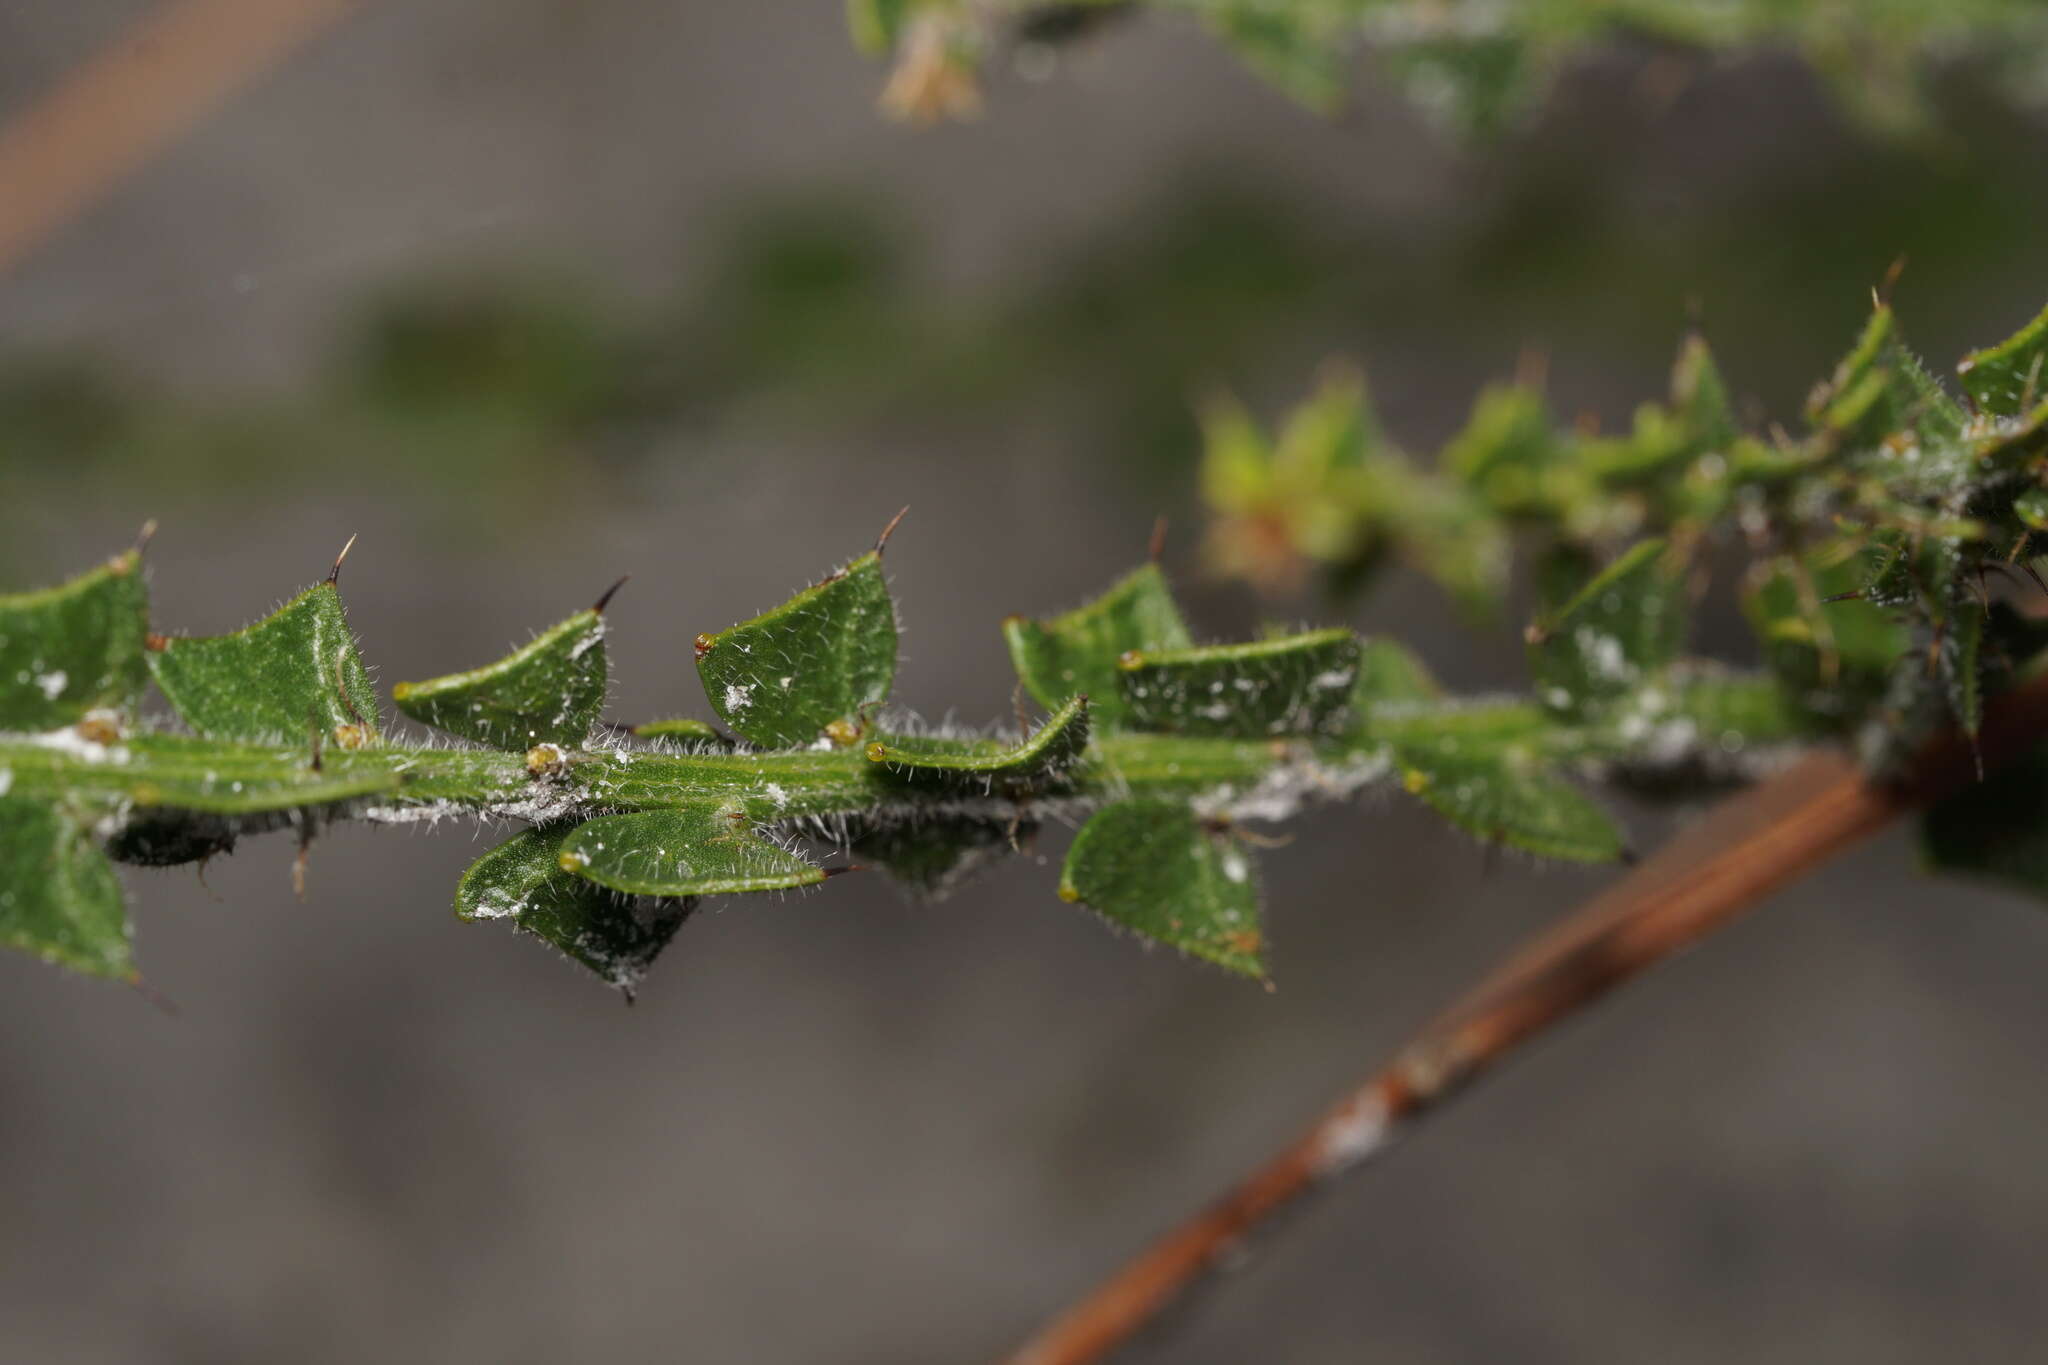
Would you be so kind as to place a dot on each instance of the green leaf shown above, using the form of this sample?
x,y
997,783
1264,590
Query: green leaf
x,y
1879,389
1295,685
1077,653
1390,673
75,648
1699,397
522,880
1505,449
59,897
877,24
702,849
782,678
1505,797
547,692
1619,626
990,764
296,668
2007,379
1151,867
1306,58
1832,658
1996,829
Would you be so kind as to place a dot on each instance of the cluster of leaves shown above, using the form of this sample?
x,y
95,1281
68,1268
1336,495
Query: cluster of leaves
x,y
1478,64
1162,747
1876,535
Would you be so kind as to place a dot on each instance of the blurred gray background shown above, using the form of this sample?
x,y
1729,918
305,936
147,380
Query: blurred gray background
x,y
537,292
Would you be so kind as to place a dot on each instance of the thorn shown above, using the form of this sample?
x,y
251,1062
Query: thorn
x,y
1882,295
1855,595
163,1002
1532,367
882,541
627,994
832,872
2035,574
1017,704
1628,857
1157,545
145,535
313,724
606,599
334,574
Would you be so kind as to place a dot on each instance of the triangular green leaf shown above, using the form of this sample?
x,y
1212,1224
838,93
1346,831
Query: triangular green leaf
x,y
1077,653
1506,797
296,668
698,850
1506,448
1294,685
522,880
1880,388
983,764
1604,638
1390,673
549,691
59,897
1304,54
74,648
818,659
2007,379
1152,867
877,24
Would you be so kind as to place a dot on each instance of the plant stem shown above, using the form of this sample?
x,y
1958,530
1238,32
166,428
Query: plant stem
x,y
179,773
1749,846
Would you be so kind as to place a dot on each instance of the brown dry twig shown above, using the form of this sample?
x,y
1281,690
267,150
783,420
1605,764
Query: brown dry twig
x,y
147,87
1706,878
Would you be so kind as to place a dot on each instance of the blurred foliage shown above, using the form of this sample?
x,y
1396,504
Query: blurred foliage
x,y
819,313
1481,65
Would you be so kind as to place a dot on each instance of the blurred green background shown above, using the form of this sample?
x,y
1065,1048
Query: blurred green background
x,y
538,292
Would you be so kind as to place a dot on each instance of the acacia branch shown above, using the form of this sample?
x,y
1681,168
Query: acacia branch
x,y
148,86
1706,878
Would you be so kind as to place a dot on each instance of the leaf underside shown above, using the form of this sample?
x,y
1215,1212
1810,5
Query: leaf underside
x,y
522,880
59,896
696,850
1151,867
